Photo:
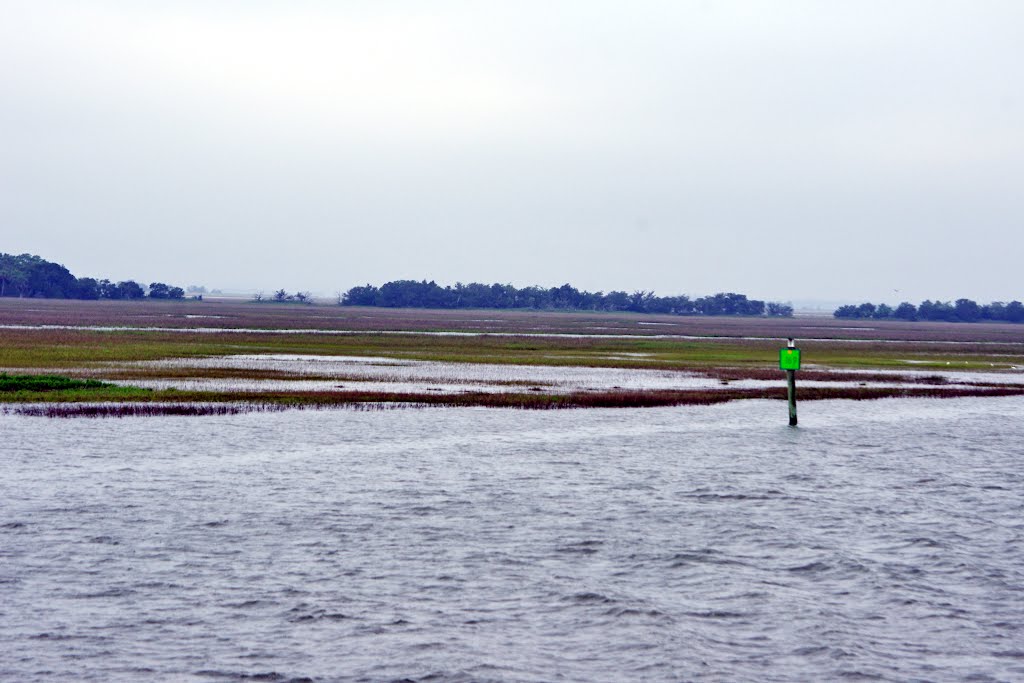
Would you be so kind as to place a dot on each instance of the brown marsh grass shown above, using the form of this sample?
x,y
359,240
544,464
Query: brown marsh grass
x,y
184,404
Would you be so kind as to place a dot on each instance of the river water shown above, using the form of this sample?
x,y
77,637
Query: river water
x,y
879,541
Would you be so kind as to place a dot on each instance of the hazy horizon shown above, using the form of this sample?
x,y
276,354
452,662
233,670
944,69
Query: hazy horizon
x,y
797,152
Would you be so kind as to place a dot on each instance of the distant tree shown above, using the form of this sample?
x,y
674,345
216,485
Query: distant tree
x,y
1014,312
424,294
936,310
718,304
616,301
994,311
179,293
281,295
564,297
846,311
682,305
905,311
360,296
12,274
658,304
88,288
479,295
866,310
395,294
591,301
130,289
158,290
640,301
109,290
968,311
753,307
304,297
258,296
27,275
729,303
500,296
964,310
413,294
50,280
926,310
529,297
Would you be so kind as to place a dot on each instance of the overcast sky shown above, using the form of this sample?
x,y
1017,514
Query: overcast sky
x,y
788,150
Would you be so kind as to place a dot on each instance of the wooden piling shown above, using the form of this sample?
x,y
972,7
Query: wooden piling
x,y
791,377
789,360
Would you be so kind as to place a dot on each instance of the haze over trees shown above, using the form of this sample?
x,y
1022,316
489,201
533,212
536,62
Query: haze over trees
x,y
960,311
27,276
423,294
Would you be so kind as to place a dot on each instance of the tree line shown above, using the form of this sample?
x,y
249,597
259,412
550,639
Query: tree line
x,y
423,294
31,276
281,296
960,311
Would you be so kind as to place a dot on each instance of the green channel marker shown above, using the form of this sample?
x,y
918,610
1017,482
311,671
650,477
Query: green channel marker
x,y
789,360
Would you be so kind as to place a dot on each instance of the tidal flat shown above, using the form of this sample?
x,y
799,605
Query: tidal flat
x,y
256,355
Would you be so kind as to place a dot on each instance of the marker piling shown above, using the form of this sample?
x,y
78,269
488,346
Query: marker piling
x,y
789,360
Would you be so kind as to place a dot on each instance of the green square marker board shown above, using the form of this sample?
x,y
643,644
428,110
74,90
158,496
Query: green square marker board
x,y
789,359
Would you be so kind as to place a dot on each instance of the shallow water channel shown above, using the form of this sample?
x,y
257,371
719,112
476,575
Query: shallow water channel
x,y
880,540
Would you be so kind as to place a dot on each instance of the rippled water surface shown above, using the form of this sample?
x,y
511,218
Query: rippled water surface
x,y
879,541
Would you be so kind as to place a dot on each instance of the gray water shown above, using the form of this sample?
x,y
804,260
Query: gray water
x,y
879,541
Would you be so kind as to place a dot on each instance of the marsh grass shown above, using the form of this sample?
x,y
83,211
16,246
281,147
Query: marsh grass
x,y
71,349
728,349
40,383
822,375
225,403
57,388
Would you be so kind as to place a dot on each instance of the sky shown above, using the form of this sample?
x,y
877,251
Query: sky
x,y
794,150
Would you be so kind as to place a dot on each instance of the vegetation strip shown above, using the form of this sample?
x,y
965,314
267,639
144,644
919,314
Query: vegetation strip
x,y
46,383
80,349
171,402
963,311
423,294
30,276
